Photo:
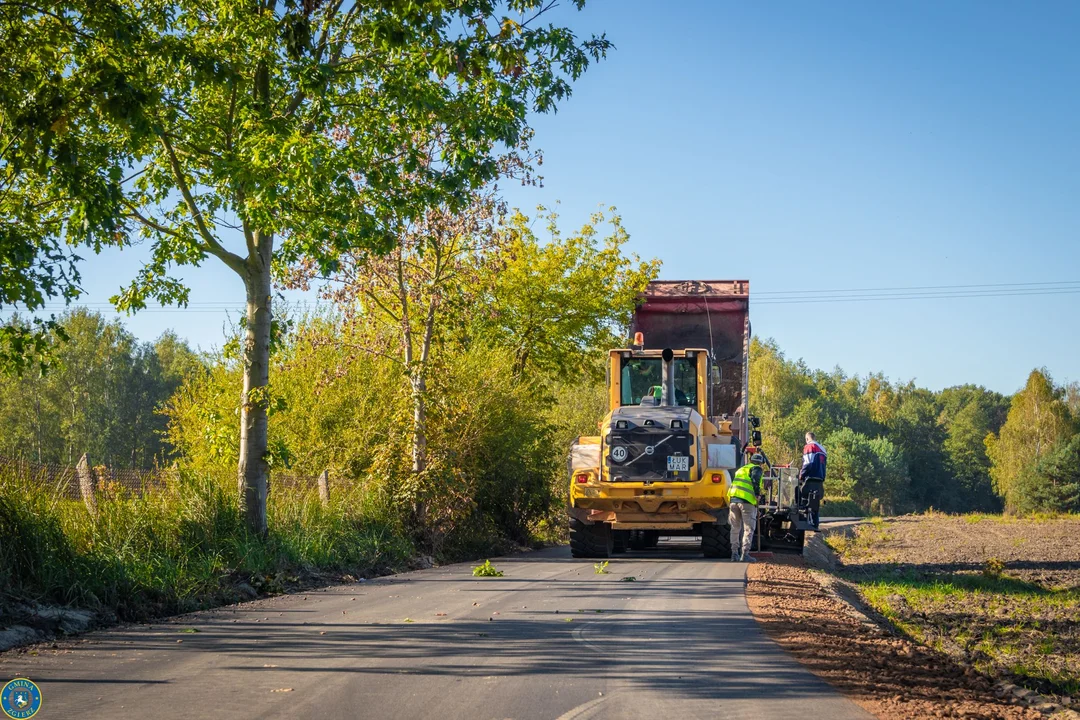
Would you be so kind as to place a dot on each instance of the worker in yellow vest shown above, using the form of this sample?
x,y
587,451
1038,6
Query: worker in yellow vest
x,y
742,507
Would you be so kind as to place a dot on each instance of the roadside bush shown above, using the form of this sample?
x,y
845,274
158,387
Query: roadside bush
x,y
491,457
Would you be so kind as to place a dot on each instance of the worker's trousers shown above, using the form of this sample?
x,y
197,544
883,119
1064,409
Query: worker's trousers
x,y
743,519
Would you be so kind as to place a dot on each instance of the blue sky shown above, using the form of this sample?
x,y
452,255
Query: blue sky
x,y
819,146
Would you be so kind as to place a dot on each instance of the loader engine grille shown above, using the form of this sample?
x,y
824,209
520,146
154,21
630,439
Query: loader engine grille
x,y
641,454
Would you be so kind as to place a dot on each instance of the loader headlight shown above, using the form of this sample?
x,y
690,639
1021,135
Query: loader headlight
x,y
676,424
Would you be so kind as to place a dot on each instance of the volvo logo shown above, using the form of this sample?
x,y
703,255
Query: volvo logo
x,y
618,454
649,450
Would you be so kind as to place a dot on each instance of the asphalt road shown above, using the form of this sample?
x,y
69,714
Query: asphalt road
x,y
551,639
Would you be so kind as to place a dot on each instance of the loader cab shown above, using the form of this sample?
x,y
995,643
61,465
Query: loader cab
x,y
635,378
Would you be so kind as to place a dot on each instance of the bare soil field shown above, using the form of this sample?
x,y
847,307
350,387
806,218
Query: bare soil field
x,y
891,677
997,594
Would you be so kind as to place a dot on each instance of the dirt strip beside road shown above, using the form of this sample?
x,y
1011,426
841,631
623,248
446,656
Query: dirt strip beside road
x,y
890,677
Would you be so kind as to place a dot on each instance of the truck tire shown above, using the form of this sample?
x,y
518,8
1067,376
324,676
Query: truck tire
x,y
590,541
716,540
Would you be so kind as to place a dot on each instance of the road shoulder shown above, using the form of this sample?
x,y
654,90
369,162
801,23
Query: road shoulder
x,y
888,676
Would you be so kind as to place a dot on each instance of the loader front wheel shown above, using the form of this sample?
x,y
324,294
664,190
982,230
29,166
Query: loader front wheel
x,y
715,540
590,541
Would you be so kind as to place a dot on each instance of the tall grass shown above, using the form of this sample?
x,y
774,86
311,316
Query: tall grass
x,y
180,548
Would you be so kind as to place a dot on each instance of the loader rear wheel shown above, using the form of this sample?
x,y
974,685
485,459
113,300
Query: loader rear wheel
x,y
590,541
652,538
638,540
715,540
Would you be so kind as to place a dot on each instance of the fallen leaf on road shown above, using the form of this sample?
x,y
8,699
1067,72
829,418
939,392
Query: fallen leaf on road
x,y
495,613
189,630
322,632
282,690
440,614
269,665
569,620
176,641
407,620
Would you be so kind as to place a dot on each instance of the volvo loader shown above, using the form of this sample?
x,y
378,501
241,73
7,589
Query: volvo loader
x,y
676,425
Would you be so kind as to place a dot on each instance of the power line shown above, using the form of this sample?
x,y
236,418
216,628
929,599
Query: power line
x,y
915,296
1025,285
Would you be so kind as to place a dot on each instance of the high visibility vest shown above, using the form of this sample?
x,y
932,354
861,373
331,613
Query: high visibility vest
x,y
742,487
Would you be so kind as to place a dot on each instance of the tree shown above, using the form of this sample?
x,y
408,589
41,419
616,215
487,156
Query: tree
x,y
403,300
1054,486
294,129
969,413
872,472
554,302
920,436
1038,420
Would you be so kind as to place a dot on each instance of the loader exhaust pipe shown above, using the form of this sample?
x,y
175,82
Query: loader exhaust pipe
x,y
667,389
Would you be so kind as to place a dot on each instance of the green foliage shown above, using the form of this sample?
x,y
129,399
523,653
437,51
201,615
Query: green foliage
x,y
970,413
1038,420
867,470
1053,484
940,439
841,507
100,396
486,570
551,300
321,123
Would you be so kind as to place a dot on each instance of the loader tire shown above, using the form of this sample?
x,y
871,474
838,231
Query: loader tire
x,y
638,540
590,541
652,538
716,540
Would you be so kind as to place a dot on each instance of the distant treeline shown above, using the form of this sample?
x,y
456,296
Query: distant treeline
x,y
897,447
102,395
892,447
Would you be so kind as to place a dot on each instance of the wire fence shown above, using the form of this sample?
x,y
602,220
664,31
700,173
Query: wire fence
x,y
66,481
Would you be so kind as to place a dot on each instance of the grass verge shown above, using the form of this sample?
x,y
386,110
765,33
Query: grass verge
x,y
1017,619
181,548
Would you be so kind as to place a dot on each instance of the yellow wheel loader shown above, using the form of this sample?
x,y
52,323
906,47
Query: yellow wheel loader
x,y
676,427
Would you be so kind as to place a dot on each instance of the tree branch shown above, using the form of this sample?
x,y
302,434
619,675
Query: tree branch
x,y
150,223
234,261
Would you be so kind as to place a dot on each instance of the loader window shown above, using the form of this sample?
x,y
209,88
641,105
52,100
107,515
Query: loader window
x,y
642,375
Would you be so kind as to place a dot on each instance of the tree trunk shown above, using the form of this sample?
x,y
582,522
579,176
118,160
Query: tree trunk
x,y
253,425
419,449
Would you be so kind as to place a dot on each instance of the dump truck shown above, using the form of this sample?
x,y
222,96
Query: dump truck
x,y
676,426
